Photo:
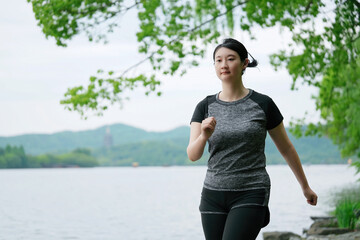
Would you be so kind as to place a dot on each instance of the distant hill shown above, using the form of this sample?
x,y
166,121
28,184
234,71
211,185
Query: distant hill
x,y
132,144
312,150
147,153
66,141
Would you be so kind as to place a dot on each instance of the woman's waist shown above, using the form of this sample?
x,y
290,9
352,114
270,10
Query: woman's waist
x,y
237,179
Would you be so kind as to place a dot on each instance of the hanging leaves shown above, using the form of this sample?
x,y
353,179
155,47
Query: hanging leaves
x,y
173,36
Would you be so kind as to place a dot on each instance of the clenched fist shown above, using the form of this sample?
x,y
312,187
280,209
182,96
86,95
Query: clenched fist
x,y
208,127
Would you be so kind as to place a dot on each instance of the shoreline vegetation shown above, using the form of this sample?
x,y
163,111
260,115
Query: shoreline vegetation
x,y
141,155
15,157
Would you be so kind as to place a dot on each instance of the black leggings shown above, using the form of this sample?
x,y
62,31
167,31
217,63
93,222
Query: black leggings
x,y
233,215
242,223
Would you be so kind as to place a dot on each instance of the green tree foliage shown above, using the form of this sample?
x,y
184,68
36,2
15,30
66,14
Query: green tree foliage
x,y
15,157
330,61
80,157
173,36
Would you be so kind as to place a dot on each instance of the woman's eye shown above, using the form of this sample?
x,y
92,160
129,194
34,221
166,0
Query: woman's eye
x,y
231,59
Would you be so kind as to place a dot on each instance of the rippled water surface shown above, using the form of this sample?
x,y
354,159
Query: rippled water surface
x,y
141,203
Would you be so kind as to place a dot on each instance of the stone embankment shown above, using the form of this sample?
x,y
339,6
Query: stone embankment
x,y
323,228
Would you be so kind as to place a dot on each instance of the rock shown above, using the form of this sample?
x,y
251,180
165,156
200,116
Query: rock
x,y
329,222
326,226
327,231
318,218
346,236
281,236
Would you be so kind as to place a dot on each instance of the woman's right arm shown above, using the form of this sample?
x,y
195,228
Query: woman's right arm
x,y
199,134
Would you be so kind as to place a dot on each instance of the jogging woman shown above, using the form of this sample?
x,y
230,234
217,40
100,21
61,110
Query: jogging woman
x,y
234,122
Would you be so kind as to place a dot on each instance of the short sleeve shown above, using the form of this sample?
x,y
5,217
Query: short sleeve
x,y
200,112
272,112
274,116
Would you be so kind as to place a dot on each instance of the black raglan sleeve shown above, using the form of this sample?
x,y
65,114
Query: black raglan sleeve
x,y
200,111
272,112
274,116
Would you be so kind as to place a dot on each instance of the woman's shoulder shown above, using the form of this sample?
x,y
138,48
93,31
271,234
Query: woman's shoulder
x,y
260,97
201,109
264,101
208,99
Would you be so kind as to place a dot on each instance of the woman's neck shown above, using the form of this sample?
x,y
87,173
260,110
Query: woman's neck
x,y
233,92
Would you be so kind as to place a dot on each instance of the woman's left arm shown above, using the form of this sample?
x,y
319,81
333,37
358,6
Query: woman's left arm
x,y
287,150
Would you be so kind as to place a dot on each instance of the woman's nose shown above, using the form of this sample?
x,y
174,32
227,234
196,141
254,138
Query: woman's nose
x,y
224,64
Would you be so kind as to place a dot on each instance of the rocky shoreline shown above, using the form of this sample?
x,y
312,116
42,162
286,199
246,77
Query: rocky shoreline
x,y
323,228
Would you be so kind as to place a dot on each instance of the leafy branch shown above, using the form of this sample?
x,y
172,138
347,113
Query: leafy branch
x,y
173,35
108,89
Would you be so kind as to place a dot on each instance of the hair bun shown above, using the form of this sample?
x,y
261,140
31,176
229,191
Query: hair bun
x,y
253,63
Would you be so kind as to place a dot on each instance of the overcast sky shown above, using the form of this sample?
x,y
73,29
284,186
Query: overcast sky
x,y
35,74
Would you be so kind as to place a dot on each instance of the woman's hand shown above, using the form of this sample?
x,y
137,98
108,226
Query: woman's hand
x,y
208,127
199,134
310,196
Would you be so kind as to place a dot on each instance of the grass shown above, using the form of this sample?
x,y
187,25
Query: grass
x,y
347,207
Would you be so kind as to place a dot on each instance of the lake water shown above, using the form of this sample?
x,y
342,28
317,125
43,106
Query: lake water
x,y
155,203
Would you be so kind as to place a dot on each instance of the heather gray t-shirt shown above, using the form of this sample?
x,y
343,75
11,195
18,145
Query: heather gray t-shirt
x,y
237,160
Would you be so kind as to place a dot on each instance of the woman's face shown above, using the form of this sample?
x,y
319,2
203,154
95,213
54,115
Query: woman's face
x,y
228,64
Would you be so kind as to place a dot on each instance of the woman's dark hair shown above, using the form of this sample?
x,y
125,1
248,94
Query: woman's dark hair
x,y
238,47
